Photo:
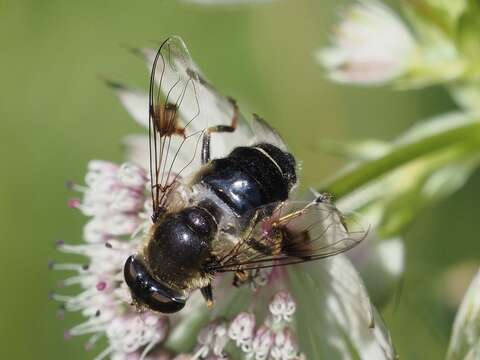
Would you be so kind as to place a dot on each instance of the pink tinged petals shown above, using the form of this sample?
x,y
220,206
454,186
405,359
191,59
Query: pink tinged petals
x,y
285,346
101,285
212,339
132,176
370,46
94,232
129,333
98,170
127,200
221,340
74,203
282,307
262,343
103,229
114,197
241,331
121,224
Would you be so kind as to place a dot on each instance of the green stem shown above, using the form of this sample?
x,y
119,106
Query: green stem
x,y
352,179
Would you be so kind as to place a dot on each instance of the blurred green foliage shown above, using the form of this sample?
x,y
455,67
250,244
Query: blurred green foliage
x,y
56,114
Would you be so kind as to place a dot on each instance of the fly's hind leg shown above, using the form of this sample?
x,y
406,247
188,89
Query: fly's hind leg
x,y
219,129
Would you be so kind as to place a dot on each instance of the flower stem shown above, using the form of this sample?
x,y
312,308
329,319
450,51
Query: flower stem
x,y
352,179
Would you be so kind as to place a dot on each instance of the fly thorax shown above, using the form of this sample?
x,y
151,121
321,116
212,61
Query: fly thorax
x,y
180,246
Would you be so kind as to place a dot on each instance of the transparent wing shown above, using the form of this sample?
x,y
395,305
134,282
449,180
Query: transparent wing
x,y
293,232
265,133
220,111
182,105
172,97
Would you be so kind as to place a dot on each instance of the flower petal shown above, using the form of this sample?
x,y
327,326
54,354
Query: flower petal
x,y
204,104
335,319
135,102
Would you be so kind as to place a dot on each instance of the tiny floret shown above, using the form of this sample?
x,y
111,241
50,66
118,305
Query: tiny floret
x,y
282,307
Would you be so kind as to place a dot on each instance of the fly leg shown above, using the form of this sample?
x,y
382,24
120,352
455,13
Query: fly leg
x,y
218,129
207,294
240,278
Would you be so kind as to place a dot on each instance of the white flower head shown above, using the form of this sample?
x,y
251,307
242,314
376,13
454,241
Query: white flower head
x,y
282,307
370,46
113,197
116,198
212,339
105,300
273,339
241,331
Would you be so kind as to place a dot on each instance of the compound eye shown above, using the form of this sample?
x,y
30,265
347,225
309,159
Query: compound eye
x,y
148,291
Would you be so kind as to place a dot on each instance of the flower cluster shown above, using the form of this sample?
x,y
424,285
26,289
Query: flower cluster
x,y
116,200
272,340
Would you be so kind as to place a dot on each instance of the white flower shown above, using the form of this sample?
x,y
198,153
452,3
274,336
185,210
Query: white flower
x,y
282,307
212,340
105,300
285,347
114,197
116,200
241,331
261,344
271,340
370,46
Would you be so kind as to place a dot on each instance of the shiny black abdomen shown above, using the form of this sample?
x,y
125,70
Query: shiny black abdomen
x,y
251,177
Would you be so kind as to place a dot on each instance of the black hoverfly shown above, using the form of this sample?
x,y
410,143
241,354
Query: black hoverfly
x,y
219,206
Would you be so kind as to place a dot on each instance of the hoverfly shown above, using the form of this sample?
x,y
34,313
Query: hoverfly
x,y
219,206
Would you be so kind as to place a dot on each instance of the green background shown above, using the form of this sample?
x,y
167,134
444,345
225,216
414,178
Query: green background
x,y
56,114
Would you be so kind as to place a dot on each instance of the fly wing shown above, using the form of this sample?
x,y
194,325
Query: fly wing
x,y
182,105
175,126
294,232
265,133
220,110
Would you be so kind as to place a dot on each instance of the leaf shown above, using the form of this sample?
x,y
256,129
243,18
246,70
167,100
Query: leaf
x,y
428,162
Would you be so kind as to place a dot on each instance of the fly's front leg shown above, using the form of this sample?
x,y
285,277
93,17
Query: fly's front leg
x,y
207,294
219,129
